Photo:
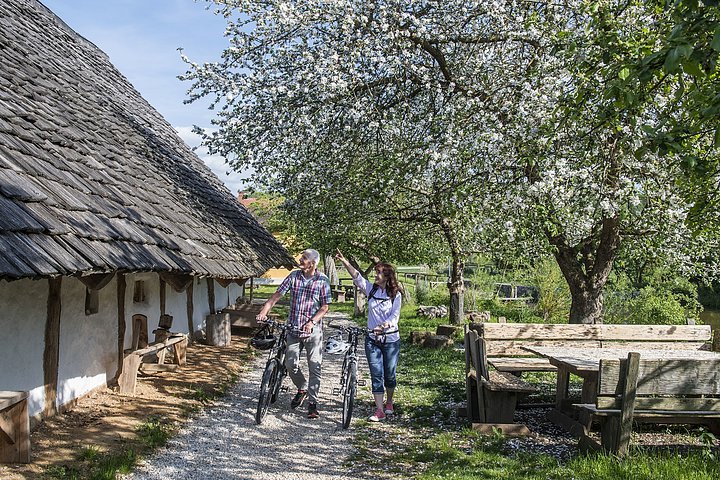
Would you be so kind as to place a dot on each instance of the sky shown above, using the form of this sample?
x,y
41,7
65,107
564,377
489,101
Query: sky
x,y
142,38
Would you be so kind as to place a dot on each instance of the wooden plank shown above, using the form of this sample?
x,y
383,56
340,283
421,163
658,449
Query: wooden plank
x,y
653,345
522,364
507,382
665,377
538,331
674,404
470,384
697,333
156,347
479,391
10,398
498,348
157,367
507,429
127,379
627,407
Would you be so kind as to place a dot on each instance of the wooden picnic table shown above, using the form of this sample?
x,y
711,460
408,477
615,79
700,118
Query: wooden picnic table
x,y
585,363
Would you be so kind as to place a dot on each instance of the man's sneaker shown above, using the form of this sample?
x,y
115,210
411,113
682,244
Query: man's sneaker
x,y
298,399
312,410
378,416
389,410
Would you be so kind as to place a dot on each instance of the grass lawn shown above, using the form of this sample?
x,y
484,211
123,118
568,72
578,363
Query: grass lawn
x,y
426,440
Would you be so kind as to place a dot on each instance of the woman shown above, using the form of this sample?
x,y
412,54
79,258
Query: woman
x,y
382,346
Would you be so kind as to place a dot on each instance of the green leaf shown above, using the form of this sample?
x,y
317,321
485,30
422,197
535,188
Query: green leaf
x,y
675,56
717,137
692,68
715,44
624,73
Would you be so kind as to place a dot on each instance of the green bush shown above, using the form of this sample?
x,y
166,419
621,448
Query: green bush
x,y
648,306
431,296
554,298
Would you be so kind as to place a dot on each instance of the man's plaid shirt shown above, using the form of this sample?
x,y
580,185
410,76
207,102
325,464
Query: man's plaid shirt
x,y
306,296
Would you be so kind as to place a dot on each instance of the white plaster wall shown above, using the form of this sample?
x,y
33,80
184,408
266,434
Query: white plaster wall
x,y
176,305
88,343
150,307
23,312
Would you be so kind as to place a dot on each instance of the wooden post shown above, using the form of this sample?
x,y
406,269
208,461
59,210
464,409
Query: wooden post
x,y
121,287
211,294
51,354
163,296
627,409
190,310
470,388
252,288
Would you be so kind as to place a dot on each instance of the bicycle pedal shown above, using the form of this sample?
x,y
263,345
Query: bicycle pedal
x,y
336,391
361,383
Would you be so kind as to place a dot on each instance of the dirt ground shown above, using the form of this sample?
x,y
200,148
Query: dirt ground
x,y
107,422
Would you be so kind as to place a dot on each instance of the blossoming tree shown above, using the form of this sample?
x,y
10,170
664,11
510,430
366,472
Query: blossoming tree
x,y
487,124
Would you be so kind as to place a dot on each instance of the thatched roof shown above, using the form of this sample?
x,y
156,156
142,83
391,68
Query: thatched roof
x,y
93,179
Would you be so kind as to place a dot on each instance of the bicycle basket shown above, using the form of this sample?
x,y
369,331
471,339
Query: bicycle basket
x,y
263,339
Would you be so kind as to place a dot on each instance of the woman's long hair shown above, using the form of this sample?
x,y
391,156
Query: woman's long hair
x,y
392,287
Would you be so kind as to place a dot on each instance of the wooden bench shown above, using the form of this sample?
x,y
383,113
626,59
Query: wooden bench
x,y
491,395
338,295
151,359
652,391
505,341
243,315
14,427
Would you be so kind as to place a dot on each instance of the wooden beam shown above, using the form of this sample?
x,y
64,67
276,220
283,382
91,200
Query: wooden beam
x,y
178,281
211,294
190,307
121,288
163,296
96,281
51,354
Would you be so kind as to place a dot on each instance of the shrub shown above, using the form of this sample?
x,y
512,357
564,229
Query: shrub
x,y
647,306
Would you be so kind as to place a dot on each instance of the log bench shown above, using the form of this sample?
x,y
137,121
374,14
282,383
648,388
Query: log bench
x,y
14,427
652,391
505,341
491,395
151,359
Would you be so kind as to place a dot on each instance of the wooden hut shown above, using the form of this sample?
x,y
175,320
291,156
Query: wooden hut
x,y
105,214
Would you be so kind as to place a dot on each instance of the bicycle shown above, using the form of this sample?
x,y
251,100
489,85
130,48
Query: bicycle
x,y
348,376
275,371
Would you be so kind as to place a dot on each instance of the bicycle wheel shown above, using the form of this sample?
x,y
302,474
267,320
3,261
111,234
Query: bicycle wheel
x,y
267,387
349,396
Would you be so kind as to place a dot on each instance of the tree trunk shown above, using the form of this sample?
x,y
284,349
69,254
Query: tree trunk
x,y
586,267
457,292
330,270
455,285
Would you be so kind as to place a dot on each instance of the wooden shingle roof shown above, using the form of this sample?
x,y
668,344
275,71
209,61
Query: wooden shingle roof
x,y
94,180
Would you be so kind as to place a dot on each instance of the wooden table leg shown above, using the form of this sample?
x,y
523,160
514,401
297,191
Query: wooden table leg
x,y
561,392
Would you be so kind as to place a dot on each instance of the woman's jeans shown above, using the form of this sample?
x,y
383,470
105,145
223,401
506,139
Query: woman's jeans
x,y
382,359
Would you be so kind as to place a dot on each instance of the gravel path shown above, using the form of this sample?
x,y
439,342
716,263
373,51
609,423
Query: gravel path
x,y
224,441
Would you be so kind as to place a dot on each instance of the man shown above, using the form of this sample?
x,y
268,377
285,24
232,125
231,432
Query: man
x,y
309,299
